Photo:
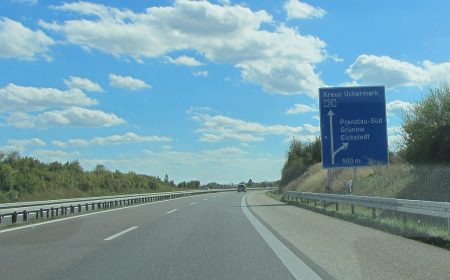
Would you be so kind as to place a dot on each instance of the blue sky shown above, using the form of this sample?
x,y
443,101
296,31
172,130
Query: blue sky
x,y
202,90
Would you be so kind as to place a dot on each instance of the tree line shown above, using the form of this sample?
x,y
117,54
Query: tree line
x,y
299,157
24,177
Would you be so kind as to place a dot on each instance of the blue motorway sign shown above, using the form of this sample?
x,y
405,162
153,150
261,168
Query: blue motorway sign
x,y
353,126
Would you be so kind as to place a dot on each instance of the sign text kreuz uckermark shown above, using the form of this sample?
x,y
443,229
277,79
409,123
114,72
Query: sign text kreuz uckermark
x,y
353,126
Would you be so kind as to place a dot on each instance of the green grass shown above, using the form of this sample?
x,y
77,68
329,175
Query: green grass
x,y
425,229
422,182
274,195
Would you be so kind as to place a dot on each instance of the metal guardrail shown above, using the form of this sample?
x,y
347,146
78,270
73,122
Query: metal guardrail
x,y
428,208
25,211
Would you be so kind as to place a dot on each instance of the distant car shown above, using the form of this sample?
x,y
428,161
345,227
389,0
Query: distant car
x,y
241,188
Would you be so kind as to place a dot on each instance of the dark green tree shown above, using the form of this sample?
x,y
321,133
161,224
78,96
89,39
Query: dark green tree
x,y
426,127
298,158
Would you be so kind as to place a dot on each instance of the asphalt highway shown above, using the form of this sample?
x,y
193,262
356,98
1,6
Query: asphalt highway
x,y
200,237
213,236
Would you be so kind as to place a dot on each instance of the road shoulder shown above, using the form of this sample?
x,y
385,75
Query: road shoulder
x,y
345,250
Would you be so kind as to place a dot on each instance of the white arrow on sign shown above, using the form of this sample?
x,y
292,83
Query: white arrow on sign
x,y
341,148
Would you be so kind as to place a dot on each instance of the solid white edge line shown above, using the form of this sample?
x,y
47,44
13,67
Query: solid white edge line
x,y
89,214
171,211
295,265
120,233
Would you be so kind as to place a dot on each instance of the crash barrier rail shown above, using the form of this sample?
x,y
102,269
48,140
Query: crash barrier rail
x,y
12,213
405,206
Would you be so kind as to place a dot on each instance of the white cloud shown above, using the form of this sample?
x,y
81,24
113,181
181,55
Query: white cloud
x,y
56,155
397,107
301,109
298,9
126,138
27,99
82,83
219,128
223,165
20,145
127,82
394,137
18,41
222,34
184,60
201,73
73,116
384,70
439,72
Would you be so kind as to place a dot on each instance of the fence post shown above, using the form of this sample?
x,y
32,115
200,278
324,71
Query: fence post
x,y
329,181
448,226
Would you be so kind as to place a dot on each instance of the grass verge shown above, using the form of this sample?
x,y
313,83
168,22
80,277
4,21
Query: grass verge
x,y
430,231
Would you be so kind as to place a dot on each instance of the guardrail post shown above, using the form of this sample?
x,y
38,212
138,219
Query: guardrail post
x,y
79,208
25,215
315,202
42,213
14,217
353,209
72,209
448,226
52,212
337,206
0,218
93,207
374,213
48,213
36,215
63,211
